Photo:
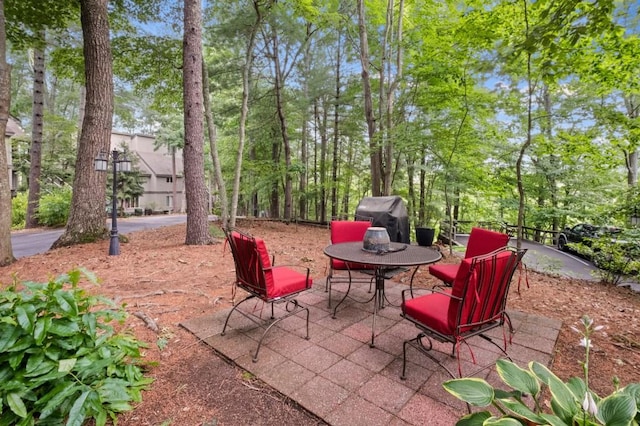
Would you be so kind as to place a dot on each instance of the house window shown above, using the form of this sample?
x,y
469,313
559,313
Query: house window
x,y
170,179
169,201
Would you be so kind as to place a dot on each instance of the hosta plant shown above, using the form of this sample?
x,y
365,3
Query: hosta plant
x,y
61,361
572,403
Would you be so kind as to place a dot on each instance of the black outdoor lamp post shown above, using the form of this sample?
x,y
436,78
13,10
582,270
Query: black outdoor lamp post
x,y
120,163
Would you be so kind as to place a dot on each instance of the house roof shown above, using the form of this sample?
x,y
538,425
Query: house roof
x,y
158,164
13,128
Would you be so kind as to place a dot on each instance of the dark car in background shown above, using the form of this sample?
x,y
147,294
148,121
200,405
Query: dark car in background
x,y
584,233
609,247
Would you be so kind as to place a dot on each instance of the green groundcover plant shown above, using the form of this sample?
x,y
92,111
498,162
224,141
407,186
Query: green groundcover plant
x,y
61,362
572,403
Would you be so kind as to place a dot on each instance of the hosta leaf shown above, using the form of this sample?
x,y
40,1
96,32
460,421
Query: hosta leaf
x,y
505,421
472,390
522,411
553,420
474,419
577,386
16,405
633,390
565,404
617,410
517,378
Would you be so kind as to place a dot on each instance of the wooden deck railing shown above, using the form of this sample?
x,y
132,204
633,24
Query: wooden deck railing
x,y
542,236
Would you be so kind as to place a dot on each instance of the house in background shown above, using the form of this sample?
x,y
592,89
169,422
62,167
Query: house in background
x,y
13,129
162,172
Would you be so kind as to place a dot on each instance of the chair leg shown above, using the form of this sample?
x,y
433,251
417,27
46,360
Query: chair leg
x,y
297,308
346,294
226,321
418,343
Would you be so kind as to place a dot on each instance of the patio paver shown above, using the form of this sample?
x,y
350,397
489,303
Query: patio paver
x,y
339,378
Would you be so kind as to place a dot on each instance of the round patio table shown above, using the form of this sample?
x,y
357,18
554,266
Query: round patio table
x,y
399,255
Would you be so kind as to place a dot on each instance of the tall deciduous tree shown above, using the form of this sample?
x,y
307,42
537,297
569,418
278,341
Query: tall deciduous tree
x,y
6,252
375,150
195,186
87,218
37,123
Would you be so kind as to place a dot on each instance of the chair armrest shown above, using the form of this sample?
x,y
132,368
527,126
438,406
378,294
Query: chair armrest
x,y
445,292
290,266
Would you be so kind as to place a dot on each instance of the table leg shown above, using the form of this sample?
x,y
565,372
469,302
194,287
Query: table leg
x,y
378,302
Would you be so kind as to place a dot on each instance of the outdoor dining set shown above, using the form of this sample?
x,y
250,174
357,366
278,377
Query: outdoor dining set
x,y
469,300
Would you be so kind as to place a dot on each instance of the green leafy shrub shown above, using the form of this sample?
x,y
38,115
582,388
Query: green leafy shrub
x,y
615,257
60,360
19,210
54,207
572,403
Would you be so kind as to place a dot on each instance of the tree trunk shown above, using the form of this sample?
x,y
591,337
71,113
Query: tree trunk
x,y
195,186
336,136
632,157
375,151
527,142
244,110
322,124
87,214
284,130
6,251
213,144
304,155
35,150
550,174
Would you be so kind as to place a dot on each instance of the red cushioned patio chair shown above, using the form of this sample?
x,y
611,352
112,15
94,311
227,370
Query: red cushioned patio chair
x,y
481,241
347,231
474,305
256,275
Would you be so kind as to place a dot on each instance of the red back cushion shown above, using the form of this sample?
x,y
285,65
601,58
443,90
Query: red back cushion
x,y
348,231
483,241
482,289
250,258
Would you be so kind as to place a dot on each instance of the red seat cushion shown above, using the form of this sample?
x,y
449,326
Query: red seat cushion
x,y
285,281
431,310
445,272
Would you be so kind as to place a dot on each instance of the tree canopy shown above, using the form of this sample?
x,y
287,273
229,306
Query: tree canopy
x,y
468,110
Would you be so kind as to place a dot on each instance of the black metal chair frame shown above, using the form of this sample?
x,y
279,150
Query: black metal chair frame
x,y
250,276
349,278
463,331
